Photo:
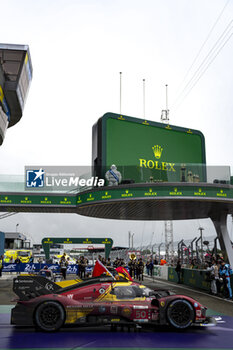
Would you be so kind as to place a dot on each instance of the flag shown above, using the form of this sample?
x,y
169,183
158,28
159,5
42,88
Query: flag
x,y
124,273
100,269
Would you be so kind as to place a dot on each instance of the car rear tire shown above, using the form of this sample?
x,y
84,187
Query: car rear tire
x,y
49,316
180,314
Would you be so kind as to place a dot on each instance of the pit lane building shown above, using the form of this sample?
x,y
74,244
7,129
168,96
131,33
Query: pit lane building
x,y
15,79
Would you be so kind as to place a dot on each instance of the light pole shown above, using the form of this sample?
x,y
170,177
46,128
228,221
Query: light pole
x,y
159,250
192,247
132,239
201,236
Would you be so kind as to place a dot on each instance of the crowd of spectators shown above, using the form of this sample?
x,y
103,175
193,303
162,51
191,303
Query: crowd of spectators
x,y
82,263
218,274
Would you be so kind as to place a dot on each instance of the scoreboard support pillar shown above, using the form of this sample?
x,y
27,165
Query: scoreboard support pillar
x,y
220,224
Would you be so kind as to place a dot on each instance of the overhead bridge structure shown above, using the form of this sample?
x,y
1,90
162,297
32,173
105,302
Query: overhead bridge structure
x,y
145,201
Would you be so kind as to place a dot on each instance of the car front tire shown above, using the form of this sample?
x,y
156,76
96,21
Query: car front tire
x,y
180,314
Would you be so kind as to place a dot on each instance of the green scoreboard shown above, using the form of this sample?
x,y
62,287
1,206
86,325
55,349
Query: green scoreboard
x,y
146,151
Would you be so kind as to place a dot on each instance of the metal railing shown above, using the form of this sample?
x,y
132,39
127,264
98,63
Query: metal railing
x,y
84,178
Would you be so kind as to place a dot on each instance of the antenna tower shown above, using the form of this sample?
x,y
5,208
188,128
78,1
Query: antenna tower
x,y
165,112
169,242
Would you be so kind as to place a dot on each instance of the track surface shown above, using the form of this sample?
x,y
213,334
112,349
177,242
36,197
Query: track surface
x,y
219,337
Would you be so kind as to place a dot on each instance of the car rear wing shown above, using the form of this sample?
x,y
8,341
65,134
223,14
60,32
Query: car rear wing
x,y
28,287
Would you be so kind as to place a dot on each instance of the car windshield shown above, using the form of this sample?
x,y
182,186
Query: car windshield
x,y
23,254
131,292
46,273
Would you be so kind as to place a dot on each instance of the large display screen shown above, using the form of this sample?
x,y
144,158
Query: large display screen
x,y
145,151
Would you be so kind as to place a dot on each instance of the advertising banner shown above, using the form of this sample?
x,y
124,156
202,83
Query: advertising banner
x,y
161,272
147,151
31,268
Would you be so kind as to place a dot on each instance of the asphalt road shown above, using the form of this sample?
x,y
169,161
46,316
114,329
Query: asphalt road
x,y
6,292
160,338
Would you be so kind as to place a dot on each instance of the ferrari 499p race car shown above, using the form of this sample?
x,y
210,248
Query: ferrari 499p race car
x,y
101,301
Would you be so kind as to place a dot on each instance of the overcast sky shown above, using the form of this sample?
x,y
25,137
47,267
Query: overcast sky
x,y
78,49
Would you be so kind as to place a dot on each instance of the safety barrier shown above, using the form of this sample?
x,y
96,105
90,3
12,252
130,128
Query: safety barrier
x,y
189,277
161,272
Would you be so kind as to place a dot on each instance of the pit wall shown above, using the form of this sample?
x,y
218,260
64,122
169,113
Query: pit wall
x,y
189,277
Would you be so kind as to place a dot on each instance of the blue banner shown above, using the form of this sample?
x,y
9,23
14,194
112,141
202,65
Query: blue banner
x,y
36,267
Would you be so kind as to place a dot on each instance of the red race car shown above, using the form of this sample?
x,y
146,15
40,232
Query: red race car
x,y
100,301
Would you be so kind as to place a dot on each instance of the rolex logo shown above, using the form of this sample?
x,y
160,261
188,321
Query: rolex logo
x,y
157,151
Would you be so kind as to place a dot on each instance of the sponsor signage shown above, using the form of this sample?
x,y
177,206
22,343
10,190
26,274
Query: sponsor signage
x,y
57,200
108,242
35,268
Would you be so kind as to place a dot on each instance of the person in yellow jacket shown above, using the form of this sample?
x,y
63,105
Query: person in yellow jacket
x,y
1,264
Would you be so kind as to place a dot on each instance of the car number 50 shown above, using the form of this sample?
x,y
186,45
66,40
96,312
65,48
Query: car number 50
x,y
140,314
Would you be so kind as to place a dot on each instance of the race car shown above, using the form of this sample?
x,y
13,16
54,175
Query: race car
x,y
101,301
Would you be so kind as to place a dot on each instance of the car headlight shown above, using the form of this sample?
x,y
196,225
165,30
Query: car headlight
x,y
203,311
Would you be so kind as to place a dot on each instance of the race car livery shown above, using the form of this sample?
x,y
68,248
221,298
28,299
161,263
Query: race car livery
x,y
100,301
